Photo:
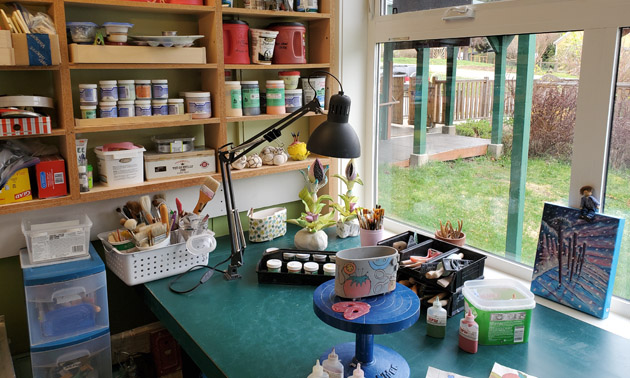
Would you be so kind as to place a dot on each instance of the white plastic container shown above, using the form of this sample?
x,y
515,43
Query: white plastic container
x,y
56,237
311,267
119,168
88,111
333,366
175,106
274,265
126,108
159,107
108,90
126,90
294,266
198,103
263,43
143,108
233,99
293,99
159,89
143,89
108,109
329,269
87,94
318,84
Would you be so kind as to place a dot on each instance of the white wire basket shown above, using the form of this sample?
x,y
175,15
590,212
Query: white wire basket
x,y
144,266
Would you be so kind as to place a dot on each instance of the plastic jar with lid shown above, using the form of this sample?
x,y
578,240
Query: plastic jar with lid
x,y
88,111
143,108
159,107
108,90
274,265
143,89
175,106
311,267
293,99
126,108
198,103
233,106
294,267
275,97
329,269
126,90
251,98
160,88
87,94
108,109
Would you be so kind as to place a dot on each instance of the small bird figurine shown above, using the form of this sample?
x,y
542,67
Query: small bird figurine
x,y
297,150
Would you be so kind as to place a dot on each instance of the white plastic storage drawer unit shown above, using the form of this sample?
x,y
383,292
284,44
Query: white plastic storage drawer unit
x,y
65,300
87,356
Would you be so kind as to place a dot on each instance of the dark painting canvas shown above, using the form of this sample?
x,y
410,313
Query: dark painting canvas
x,y
576,259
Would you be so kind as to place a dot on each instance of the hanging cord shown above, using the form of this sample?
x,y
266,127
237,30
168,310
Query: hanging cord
x,y
206,276
327,73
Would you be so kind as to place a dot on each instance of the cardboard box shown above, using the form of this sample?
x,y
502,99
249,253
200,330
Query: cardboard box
x,y
136,54
17,189
50,176
159,166
5,40
7,56
36,49
25,126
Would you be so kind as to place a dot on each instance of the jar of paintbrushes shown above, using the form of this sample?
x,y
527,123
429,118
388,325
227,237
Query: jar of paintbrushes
x,y
371,222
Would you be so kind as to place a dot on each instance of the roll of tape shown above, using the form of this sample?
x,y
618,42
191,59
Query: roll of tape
x,y
22,101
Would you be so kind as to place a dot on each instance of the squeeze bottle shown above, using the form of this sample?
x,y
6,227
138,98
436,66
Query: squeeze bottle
x,y
358,373
436,320
468,333
333,366
318,371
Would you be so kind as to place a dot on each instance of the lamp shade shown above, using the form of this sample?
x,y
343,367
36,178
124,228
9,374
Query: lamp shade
x,y
335,137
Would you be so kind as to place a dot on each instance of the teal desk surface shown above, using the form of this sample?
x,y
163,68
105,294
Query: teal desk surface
x,y
242,329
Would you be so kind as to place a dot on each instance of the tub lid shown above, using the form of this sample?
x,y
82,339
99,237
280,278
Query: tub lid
x,y
63,271
71,341
235,22
498,295
276,24
81,24
289,73
126,24
172,139
253,82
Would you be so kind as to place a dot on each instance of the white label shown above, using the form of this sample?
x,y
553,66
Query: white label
x,y
49,246
58,177
274,96
469,332
519,334
437,320
508,316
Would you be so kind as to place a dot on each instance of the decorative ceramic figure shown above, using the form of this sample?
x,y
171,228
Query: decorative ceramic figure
x,y
348,225
297,150
240,163
254,161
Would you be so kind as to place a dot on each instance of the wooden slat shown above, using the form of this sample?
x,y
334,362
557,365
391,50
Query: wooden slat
x,y
155,7
138,126
267,117
255,13
113,122
29,68
53,133
140,66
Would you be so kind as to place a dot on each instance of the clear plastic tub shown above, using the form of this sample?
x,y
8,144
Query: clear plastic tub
x,y
167,145
56,237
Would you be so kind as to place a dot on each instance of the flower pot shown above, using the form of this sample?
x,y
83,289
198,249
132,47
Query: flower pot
x,y
348,228
316,241
458,242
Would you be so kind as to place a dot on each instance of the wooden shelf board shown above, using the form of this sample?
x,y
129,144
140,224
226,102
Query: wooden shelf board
x,y
35,204
276,66
266,117
54,132
130,125
29,2
143,6
29,68
256,13
139,66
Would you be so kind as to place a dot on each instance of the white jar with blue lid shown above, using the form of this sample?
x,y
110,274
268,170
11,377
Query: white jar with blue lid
x,y
159,89
143,108
108,109
108,89
126,89
126,108
87,94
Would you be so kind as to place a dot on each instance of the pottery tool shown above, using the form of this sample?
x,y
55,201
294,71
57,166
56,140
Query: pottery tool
x,y
145,203
206,193
433,274
6,22
22,22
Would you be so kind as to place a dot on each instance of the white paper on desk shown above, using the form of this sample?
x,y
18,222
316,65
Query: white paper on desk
x,y
437,373
500,371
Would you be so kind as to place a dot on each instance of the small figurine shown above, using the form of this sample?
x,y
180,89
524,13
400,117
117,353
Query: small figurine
x,y
589,204
297,150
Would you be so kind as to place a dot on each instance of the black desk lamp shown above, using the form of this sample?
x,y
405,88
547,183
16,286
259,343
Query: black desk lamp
x,y
334,138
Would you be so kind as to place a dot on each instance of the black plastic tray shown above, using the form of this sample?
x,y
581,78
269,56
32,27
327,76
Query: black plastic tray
x,y
417,241
286,278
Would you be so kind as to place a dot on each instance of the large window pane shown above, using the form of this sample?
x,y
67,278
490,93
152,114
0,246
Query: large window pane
x,y
403,6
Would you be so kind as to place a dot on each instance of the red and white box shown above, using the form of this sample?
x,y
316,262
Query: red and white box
x,y
50,176
25,126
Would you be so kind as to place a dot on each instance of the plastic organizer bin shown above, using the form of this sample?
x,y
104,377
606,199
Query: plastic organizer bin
x,y
87,356
149,265
284,277
56,237
65,300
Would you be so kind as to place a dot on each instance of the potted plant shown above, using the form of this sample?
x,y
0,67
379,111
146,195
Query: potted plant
x,y
348,224
450,234
311,236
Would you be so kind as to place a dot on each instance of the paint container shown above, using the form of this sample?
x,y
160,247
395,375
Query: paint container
x,y
275,97
311,268
108,90
233,98
306,6
291,79
160,89
319,85
287,256
293,99
329,269
290,44
159,107
108,109
294,267
126,109
175,106
90,175
235,42
87,94
143,108
436,320
198,103
332,258
274,265
263,43
319,258
302,257
251,98
88,111
143,89
126,90
468,333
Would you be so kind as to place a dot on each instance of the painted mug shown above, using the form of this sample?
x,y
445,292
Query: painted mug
x,y
366,271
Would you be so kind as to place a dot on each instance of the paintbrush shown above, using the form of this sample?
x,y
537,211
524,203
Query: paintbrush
x,y
207,191
145,202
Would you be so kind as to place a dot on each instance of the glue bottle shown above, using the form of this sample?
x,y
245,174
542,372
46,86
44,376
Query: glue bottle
x,y
468,333
318,371
333,366
436,320
358,373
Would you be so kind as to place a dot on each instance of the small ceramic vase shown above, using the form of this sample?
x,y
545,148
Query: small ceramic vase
x,y
348,228
317,241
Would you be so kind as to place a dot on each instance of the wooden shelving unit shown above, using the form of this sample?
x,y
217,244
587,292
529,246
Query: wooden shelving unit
x,y
322,55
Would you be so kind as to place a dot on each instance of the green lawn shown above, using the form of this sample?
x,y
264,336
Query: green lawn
x,y
476,190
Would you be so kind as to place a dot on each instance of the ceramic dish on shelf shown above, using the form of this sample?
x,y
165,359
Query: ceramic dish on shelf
x,y
165,40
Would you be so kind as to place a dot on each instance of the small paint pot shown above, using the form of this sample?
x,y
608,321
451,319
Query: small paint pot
x,y
319,258
332,258
175,106
303,257
159,107
108,109
143,89
108,90
198,103
88,111
329,269
160,88
274,265
143,108
294,266
87,94
287,256
126,90
311,268
126,109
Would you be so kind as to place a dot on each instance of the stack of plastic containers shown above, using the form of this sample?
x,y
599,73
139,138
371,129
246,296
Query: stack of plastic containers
x,y
68,319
